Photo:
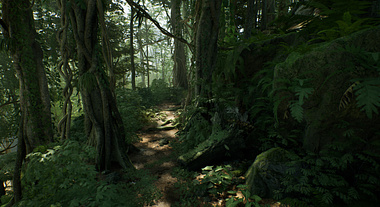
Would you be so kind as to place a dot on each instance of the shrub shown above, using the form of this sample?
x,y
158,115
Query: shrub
x,y
64,176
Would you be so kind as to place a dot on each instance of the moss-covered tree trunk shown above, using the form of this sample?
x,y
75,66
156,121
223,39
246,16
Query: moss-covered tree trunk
x,y
206,48
103,123
35,124
179,68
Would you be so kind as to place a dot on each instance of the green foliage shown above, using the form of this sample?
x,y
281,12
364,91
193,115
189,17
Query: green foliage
x,y
77,131
197,129
9,105
87,81
216,180
158,93
132,112
5,199
334,176
64,176
303,93
187,188
7,163
338,18
368,96
366,89
345,27
248,199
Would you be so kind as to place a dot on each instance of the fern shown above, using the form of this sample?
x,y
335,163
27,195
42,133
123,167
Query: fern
x,y
334,176
302,93
368,96
347,95
296,111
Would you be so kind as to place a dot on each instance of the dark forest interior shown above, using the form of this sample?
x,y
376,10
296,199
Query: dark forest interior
x,y
190,103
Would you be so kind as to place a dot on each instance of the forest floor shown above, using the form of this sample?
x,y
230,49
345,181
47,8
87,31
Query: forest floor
x,y
158,157
155,153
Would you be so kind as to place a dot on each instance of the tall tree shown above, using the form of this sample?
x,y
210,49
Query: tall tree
x,y
250,19
268,13
35,125
179,57
103,123
206,48
132,50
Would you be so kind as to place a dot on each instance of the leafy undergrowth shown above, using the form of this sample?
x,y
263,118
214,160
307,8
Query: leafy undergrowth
x,y
217,186
64,175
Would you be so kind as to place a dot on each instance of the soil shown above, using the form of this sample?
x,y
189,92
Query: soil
x,y
157,156
155,153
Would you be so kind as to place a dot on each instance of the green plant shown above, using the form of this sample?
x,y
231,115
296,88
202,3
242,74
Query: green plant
x,y
248,199
187,188
64,176
197,129
334,176
345,27
7,164
302,93
132,112
216,180
366,89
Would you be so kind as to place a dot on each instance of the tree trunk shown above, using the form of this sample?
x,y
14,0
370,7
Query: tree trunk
x,y
103,123
268,13
66,73
132,51
179,68
250,19
141,50
35,125
207,29
147,64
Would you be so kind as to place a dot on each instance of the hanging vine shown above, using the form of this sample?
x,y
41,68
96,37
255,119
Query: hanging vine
x,y
66,72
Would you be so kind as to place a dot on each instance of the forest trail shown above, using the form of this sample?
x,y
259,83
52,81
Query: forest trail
x,y
155,153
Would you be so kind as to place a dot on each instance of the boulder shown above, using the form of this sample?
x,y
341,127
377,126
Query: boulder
x,y
330,70
219,146
265,175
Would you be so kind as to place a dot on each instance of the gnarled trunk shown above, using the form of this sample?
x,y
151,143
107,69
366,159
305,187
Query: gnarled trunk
x,y
103,123
35,125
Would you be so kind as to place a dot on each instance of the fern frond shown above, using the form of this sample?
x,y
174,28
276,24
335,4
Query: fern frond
x,y
347,95
303,93
368,96
296,111
327,198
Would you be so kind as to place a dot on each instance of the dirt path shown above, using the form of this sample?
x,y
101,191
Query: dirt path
x,y
155,154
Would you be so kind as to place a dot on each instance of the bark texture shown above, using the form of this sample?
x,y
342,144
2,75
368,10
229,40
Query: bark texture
x,y
206,48
179,68
103,123
35,127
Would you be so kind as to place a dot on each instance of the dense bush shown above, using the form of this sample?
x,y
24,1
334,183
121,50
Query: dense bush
x,y
159,92
65,176
130,106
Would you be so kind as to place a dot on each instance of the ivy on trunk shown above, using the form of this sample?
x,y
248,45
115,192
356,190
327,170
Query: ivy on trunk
x,y
103,124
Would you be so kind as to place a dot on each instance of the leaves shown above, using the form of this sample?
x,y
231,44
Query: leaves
x,y
296,111
368,96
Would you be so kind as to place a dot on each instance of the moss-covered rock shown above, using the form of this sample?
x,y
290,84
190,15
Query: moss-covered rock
x,y
219,146
265,175
328,70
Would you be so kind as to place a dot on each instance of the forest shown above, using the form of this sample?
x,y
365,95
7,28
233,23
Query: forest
x,y
189,103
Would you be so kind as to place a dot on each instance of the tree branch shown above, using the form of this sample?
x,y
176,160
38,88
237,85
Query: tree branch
x,y
154,42
163,31
5,104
